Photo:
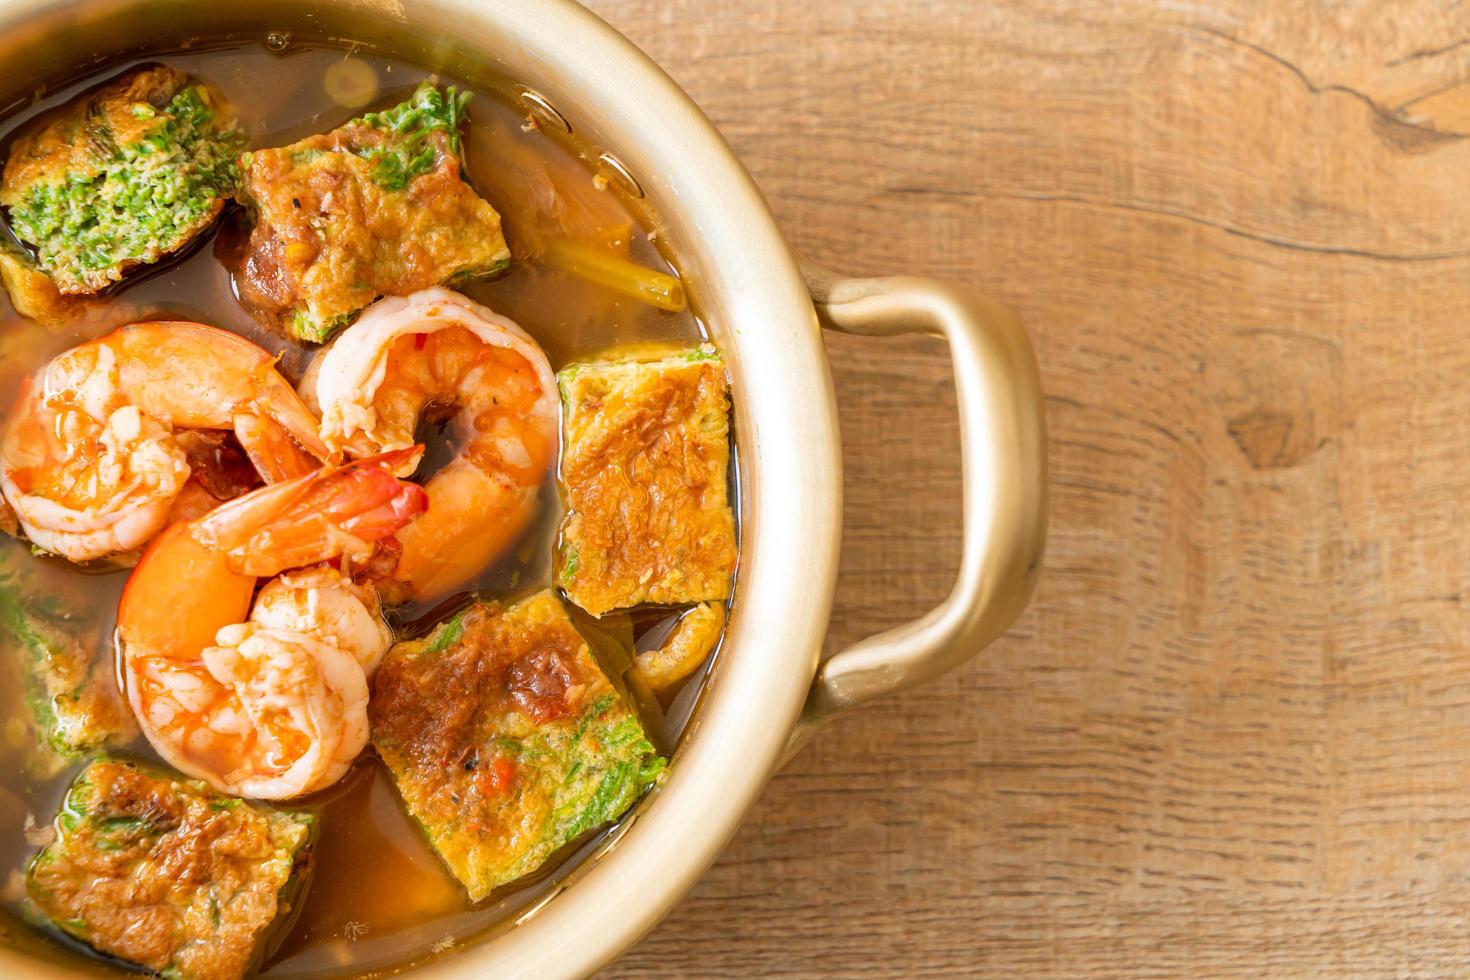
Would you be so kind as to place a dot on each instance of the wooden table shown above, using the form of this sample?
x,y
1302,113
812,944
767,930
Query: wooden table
x,y
1232,734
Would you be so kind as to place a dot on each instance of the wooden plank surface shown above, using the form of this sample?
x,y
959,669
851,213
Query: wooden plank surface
x,y
1230,736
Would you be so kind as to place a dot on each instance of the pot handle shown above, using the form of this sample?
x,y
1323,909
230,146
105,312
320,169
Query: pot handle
x,y
1003,454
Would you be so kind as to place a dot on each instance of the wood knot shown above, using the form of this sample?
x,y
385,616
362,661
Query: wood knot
x,y
1277,393
1266,439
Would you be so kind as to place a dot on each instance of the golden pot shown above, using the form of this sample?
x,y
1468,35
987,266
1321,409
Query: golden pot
x,y
769,692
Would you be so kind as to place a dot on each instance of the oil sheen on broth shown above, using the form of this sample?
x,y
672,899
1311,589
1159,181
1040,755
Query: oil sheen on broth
x,y
379,897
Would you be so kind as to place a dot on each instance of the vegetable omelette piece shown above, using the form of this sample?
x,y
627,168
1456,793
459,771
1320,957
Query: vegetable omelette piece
x,y
120,178
33,294
644,473
22,742
506,739
73,697
686,647
374,208
168,874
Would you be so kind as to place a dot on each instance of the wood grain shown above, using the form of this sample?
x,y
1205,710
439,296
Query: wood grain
x,y
1230,736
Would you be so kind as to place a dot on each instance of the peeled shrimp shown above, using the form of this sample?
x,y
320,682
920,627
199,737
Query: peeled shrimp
x,y
89,461
436,351
274,704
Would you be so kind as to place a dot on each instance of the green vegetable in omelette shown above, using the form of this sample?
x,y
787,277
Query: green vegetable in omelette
x,y
410,153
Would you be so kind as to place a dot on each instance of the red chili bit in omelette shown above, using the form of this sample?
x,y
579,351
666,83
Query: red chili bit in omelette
x,y
498,778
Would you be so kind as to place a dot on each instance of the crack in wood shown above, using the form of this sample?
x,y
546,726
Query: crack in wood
x,y
1390,121
1255,236
1427,53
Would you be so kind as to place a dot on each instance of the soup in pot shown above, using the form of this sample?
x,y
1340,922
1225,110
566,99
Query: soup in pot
x,y
368,509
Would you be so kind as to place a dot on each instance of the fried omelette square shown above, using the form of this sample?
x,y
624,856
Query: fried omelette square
x,y
376,207
71,692
506,739
645,475
118,178
33,294
168,874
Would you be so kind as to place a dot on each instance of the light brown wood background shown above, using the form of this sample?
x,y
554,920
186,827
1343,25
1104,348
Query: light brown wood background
x,y
1232,734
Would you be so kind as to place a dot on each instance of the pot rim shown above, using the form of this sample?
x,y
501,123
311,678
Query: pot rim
x,y
758,308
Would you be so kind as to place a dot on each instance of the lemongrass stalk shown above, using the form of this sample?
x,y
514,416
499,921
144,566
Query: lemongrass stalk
x,y
660,289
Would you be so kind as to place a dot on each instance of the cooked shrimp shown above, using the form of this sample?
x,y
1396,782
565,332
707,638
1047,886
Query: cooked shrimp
x,y
273,704
437,352
321,600
90,462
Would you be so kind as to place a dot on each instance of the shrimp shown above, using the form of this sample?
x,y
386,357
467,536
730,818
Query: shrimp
x,y
436,352
272,704
90,463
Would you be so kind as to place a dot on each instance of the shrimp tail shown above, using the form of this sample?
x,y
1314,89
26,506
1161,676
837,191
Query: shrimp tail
x,y
329,513
290,418
366,499
272,448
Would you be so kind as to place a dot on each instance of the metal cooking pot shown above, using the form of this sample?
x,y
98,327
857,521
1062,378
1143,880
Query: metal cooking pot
x,y
769,692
